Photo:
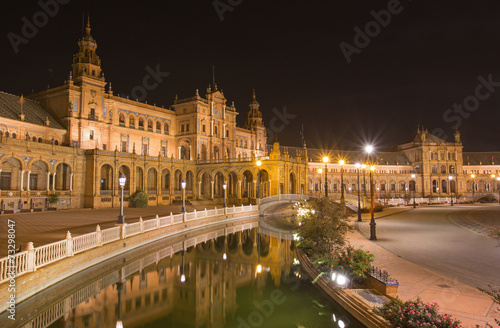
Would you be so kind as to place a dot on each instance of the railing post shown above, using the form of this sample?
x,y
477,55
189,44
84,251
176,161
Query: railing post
x,y
206,213
31,257
141,224
195,215
157,222
225,210
98,233
171,218
122,230
184,216
69,244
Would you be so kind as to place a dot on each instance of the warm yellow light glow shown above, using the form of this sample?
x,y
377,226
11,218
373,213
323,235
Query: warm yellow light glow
x,y
473,176
450,177
341,162
320,171
413,176
259,162
357,165
372,168
493,176
363,166
369,149
498,178
325,159
259,268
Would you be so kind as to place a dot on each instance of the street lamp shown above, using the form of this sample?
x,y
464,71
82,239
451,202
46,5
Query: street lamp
x,y
224,186
359,196
498,187
473,176
373,231
451,194
414,188
363,166
319,172
259,163
121,181
183,185
342,199
325,160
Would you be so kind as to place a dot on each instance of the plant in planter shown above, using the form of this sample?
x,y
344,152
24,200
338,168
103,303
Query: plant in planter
x,y
139,199
53,199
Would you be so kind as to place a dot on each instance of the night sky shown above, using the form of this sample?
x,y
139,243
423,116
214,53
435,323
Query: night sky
x,y
430,56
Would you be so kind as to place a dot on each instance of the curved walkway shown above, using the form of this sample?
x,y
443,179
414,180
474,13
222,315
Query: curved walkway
x,y
466,303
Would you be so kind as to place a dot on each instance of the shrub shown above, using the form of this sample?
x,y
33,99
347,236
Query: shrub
x,y
139,199
378,208
415,313
53,198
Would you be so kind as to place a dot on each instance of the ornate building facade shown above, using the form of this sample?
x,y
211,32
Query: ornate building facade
x,y
76,139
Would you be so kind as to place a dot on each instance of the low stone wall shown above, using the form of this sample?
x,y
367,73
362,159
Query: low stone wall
x,y
345,298
31,283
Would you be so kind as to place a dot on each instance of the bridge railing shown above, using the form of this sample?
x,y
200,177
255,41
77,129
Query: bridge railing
x,y
283,197
33,258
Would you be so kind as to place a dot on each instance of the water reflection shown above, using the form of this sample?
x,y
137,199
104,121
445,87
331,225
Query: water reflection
x,y
209,280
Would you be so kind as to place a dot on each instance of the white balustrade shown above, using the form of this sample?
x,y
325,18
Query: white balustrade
x,y
34,258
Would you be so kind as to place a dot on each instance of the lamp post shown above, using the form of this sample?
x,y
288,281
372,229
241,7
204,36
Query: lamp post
x,y
319,172
473,176
373,231
414,188
259,163
498,187
406,196
325,160
183,185
451,193
121,181
342,199
363,166
359,195
224,186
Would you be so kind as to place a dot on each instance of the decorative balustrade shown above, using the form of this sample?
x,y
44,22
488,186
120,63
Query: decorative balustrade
x,y
34,258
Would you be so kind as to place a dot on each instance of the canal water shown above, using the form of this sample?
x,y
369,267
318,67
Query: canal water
x,y
244,279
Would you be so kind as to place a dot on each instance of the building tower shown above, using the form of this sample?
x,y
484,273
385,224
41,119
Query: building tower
x,y
256,126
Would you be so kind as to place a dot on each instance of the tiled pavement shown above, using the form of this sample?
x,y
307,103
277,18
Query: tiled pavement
x,y
46,227
465,303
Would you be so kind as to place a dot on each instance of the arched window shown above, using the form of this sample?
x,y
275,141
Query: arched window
x,y
131,121
165,128
56,142
40,139
14,135
443,168
121,118
34,138
141,122
158,126
7,134
150,125
452,169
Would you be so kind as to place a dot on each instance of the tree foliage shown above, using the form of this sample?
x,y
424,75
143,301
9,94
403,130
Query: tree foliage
x,y
323,225
139,199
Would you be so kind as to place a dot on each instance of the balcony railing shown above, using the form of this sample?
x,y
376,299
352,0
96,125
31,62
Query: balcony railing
x,y
93,117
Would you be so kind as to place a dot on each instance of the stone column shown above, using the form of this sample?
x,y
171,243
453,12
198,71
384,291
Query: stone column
x,y
238,191
199,189
71,182
54,181
22,180
48,180
254,189
212,189
28,181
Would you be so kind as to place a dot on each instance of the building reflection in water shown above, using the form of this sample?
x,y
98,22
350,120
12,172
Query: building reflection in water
x,y
151,291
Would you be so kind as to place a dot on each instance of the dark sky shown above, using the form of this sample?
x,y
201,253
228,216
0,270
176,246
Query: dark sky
x,y
427,58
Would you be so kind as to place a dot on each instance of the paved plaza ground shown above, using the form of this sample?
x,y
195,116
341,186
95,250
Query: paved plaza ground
x,y
46,227
440,254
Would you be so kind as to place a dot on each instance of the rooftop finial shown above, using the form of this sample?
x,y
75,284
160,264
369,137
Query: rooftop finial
x,y
253,94
213,77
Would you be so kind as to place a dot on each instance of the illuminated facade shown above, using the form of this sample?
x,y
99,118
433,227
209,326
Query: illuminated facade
x,y
75,140
427,166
